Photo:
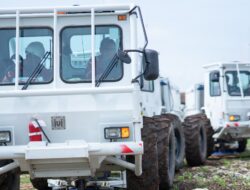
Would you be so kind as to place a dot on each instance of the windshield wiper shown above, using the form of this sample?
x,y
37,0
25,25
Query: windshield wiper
x,y
37,70
107,71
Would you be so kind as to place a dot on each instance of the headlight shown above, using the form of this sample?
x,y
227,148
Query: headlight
x,y
5,137
116,132
234,118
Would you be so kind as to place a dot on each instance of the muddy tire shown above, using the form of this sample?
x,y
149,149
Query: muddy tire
x,y
166,152
179,140
11,179
242,145
196,140
210,140
150,178
210,133
40,184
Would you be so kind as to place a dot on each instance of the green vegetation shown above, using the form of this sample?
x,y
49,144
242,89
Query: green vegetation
x,y
25,183
25,179
226,163
220,181
231,173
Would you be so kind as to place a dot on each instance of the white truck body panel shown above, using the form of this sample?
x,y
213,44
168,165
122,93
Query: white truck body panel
x,y
171,98
194,99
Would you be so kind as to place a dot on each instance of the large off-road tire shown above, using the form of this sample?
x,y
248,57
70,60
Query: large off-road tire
x,y
242,145
11,179
40,184
196,140
210,140
166,152
179,140
149,180
210,133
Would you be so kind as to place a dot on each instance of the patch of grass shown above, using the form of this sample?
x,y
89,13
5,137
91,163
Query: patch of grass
x,y
180,178
220,181
188,175
204,169
245,155
25,179
201,182
226,163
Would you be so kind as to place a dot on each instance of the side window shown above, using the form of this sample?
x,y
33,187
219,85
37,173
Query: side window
x,y
147,86
76,53
215,89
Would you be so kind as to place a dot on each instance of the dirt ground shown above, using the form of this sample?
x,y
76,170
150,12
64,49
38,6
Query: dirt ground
x,y
231,173
227,173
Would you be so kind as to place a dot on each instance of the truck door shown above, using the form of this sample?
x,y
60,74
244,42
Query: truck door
x,y
213,99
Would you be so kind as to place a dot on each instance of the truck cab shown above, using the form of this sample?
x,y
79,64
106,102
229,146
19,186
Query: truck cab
x,y
227,99
224,98
76,108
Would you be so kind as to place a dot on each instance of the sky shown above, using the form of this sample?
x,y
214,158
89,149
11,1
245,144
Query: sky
x,y
190,33
193,33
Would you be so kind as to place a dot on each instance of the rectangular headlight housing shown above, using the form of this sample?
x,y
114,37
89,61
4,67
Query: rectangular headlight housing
x,y
234,118
116,132
5,137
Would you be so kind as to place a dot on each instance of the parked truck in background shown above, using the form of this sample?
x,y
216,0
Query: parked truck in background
x,y
222,104
68,116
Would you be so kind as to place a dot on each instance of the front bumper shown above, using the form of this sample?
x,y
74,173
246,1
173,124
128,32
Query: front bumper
x,y
72,158
234,131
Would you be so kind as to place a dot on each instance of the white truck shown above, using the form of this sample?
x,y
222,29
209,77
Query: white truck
x,y
76,111
223,103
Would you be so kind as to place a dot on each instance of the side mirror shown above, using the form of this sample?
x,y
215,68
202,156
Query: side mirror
x,y
151,64
123,56
215,76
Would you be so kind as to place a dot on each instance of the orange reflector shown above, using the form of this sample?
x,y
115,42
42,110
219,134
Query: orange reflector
x,y
125,132
122,17
231,118
61,13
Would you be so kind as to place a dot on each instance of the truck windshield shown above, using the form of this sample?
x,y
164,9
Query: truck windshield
x,y
33,43
233,83
76,53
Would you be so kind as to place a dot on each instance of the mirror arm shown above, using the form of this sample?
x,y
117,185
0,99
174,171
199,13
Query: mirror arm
x,y
144,54
142,24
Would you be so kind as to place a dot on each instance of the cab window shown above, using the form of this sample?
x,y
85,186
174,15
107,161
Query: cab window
x,y
215,89
76,53
35,51
233,83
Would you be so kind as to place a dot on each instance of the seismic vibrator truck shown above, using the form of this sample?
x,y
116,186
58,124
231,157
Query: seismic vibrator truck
x,y
88,100
222,103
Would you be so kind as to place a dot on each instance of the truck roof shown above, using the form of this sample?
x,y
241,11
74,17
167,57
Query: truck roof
x,y
225,64
49,3
29,6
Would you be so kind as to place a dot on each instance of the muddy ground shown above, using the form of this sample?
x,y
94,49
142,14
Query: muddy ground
x,y
231,172
228,173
